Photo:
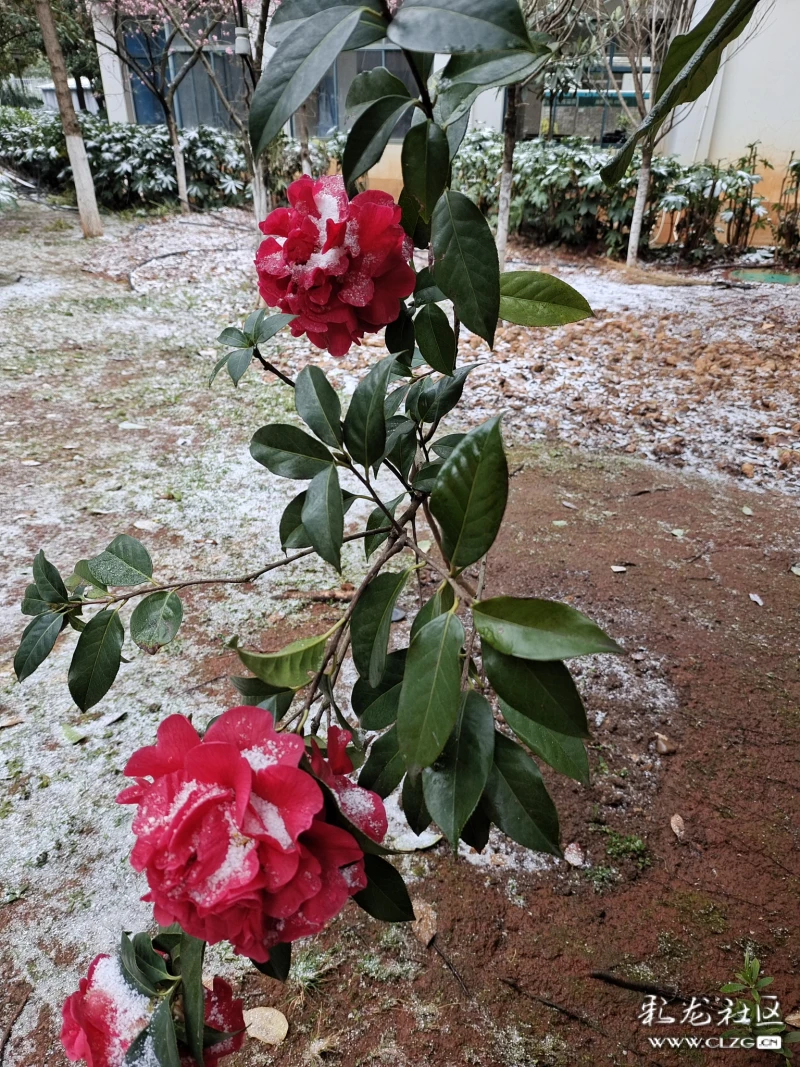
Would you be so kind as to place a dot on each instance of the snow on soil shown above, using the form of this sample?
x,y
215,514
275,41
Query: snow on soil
x,y
107,427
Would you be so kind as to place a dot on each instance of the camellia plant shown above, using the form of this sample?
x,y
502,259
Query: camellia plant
x,y
257,832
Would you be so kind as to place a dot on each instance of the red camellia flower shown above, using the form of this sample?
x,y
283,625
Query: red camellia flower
x,y
232,834
106,1015
341,266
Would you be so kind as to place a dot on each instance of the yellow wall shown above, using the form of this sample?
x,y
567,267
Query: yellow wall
x,y
386,174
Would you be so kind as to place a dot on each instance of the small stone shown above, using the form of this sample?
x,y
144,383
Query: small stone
x,y
665,747
267,1025
425,924
574,855
678,826
756,599
748,470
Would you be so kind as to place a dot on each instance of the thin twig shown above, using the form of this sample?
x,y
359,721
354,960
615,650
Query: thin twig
x,y
272,368
10,1025
450,966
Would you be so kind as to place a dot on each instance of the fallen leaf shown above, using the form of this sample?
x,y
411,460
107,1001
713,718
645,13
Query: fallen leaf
x,y
618,570
795,569
425,924
756,599
131,426
665,747
560,522
574,855
748,470
793,1018
677,533
567,504
267,1025
147,525
72,735
678,826
14,721
747,511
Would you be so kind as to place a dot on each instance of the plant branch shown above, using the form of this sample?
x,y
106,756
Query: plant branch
x,y
272,369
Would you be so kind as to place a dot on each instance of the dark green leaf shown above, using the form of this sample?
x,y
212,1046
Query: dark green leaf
x,y
237,364
268,327
452,110
413,803
278,704
296,69
48,581
465,265
162,1031
689,68
279,963
425,478
290,15
443,446
32,602
458,26
494,68
476,830
291,530
322,516
371,622
436,339
156,619
517,801
221,362
96,659
125,562
192,951
371,86
540,690
131,971
564,753
234,338
84,572
376,706
254,690
289,668
386,897
36,643
433,400
400,336
412,222
539,629
384,769
532,298
425,162
376,521
150,963
289,452
318,405
426,290
370,134
430,696
401,444
441,601
365,423
454,784
470,494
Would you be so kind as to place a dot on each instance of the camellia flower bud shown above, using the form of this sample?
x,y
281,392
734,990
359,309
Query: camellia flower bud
x,y
341,266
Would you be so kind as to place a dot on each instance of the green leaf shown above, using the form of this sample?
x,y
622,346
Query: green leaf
x,y
425,478
289,452
425,162
413,803
131,971
494,68
269,326
399,337
151,964
470,494
386,897
290,667
365,423
279,963
84,572
237,364
517,801
254,690
162,1031
689,68
454,784
318,405
532,298
291,15
441,601
322,516
234,338
370,134
564,753
539,629
125,562
192,951
36,644
458,26
376,521
443,446
296,69
156,619
96,659
291,530
384,769
221,362
376,706
430,696
436,339
426,291
429,401
465,265
371,622
48,581
540,690
369,87
476,830
32,603
452,110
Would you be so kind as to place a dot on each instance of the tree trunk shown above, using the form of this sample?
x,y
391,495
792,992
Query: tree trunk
x,y
255,167
76,149
302,136
180,162
79,92
642,191
506,172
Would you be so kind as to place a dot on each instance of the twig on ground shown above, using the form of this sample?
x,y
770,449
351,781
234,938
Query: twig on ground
x,y
449,965
15,1014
